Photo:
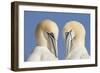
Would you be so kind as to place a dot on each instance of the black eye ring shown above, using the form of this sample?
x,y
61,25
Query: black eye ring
x,y
51,34
66,34
70,30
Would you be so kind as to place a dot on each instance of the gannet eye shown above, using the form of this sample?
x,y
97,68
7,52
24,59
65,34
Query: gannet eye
x,y
51,34
68,33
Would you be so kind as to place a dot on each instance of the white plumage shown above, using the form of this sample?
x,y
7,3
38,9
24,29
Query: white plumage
x,y
41,54
74,36
46,42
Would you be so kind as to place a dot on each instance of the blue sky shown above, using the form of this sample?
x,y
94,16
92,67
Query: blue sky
x,y
32,18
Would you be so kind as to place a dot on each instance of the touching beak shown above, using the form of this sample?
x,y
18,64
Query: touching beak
x,y
53,43
68,39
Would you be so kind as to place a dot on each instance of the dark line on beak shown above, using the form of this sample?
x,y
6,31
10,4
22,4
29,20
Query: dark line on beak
x,y
51,35
53,43
68,34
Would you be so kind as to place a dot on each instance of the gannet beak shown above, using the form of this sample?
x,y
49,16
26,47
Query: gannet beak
x,y
53,42
68,38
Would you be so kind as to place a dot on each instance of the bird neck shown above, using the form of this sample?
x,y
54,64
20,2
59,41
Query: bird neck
x,y
40,40
77,43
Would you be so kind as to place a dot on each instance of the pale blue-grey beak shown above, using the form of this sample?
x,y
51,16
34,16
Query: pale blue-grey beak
x,y
68,41
53,42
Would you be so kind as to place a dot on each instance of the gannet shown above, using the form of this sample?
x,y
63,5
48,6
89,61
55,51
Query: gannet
x,y
74,36
46,42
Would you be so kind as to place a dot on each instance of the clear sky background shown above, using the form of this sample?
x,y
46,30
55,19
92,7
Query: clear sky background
x,y
32,18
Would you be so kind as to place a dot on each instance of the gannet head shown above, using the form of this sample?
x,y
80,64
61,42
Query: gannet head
x,y
74,35
47,35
